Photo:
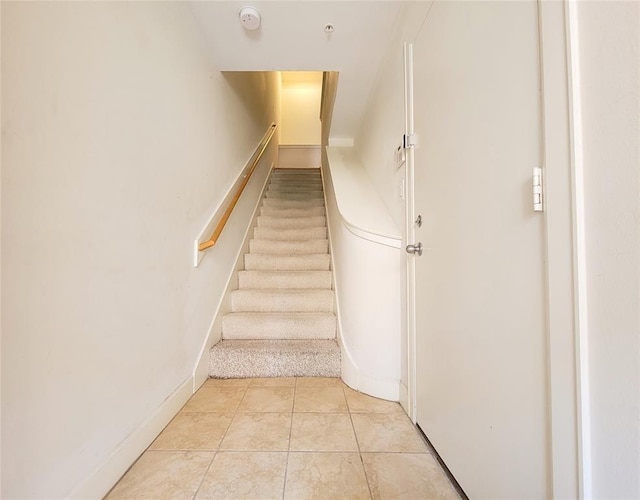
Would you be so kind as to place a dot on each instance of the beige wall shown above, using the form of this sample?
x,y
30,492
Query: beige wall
x,y
609,57
300,107
119,140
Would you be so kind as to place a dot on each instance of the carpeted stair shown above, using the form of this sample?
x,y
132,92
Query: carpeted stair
x,y
282,320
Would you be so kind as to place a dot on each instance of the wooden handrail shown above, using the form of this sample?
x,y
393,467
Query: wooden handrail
x,y
227,213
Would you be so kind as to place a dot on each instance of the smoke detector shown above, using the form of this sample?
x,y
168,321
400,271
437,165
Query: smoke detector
x,y
249,18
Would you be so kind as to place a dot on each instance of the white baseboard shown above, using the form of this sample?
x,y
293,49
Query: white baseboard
x,y
404,399
384,389
108,474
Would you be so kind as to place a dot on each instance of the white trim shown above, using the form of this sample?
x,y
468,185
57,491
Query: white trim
x,y
384,389
373,237
351,373
403,398
562,321
411,235
106,475
348,368
214,333
579,249
357,200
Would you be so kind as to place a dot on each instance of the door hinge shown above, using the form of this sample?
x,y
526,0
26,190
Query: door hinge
x,y
538,200
408,140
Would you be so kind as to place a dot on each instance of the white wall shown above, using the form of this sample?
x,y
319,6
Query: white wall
x,y
380,134
363,239
609,40
609,63
300,109
119,139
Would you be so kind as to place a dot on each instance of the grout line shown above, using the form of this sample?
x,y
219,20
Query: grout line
x,y
364,469
224,434
195,494
293,405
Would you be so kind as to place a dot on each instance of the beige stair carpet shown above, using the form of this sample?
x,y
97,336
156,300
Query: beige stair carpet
x,y
282,321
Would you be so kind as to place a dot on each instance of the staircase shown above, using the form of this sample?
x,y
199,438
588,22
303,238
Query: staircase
x,y
282,321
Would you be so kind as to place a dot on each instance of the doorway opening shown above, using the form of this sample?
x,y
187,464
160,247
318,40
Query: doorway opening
x,y
300,133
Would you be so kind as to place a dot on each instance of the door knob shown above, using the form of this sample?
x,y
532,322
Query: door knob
x,y
417,248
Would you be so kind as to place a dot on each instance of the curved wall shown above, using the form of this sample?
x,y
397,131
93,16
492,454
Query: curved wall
x,y
365,252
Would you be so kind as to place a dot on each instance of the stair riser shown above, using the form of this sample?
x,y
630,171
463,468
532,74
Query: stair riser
x,y
310,262
274,359
288,192
277,301
296,183
273,326
288,247
304,234
294,172
281,203
292,212
291,222
295,189
295,195
297,180
284,280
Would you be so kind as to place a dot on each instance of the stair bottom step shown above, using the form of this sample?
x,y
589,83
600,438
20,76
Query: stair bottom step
x,y
274,358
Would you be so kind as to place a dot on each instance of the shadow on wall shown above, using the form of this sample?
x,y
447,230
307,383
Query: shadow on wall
x,y
251,88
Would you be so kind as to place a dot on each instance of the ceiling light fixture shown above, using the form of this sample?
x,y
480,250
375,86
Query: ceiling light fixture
x,y
249,18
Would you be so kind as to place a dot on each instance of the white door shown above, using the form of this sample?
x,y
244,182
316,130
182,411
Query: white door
x,y
480,383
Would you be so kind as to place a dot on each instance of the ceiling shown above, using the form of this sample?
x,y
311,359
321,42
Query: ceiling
x,y
292,37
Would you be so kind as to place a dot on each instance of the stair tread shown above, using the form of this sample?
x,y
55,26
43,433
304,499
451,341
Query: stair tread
x,y
276,345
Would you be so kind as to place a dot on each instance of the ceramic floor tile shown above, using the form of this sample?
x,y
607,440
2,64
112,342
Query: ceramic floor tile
x,y
267,399
209,399
320,399
244,475
163,475
387,432
193,431
362,403
226,382
258,432
407,476
272,382
325,476
322,432
319,382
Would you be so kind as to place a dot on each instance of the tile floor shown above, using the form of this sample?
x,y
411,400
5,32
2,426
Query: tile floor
x,y
292,438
